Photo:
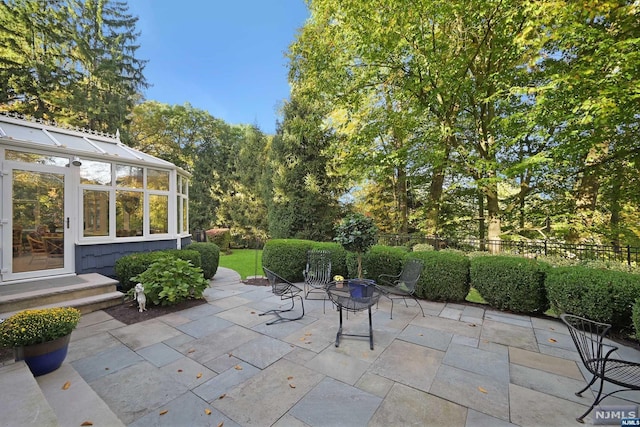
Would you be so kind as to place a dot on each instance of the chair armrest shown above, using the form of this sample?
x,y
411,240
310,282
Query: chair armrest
x,y
389,279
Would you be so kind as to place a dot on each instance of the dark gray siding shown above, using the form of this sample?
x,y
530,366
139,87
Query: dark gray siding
x,y
102,258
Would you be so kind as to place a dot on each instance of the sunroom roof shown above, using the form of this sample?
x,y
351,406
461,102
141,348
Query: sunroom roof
x,y
38,134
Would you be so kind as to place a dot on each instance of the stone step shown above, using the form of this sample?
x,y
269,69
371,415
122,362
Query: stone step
x,y
23,403
77,405
87,292
85,305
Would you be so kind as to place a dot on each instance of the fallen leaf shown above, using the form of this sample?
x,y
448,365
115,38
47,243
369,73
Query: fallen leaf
x,y
420,335
289,378
106,369
66,385
482,390
473,325
253,312
308,334
552,340
87,423
220,424
238,368
308,342
222,396
199,375
164,412
207,411
230,354
302,339
191,350
179,370
553,329
292,386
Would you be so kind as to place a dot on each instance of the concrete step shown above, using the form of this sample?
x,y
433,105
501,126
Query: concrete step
x,y
88,292
23,403
85,305
79,403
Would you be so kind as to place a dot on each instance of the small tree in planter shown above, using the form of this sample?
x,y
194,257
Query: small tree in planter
x,y
356,233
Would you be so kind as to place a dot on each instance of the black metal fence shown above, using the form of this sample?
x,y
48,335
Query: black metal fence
x,y
532,248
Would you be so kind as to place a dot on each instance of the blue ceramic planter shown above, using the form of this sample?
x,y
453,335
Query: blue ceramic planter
x,y
45,357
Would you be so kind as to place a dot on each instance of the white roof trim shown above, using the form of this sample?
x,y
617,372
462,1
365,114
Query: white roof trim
x,y
51,137
94,145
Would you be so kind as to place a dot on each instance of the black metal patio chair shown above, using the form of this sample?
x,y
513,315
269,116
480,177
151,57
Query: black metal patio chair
x,y
317,273
588,336
403,285
286,291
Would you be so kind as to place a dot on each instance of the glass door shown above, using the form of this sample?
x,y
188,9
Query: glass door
x,y
39,222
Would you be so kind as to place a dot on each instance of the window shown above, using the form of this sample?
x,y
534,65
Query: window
x,y
158,214
95,213
97,173
139,197
129,208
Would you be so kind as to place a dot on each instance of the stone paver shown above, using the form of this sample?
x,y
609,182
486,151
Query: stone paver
x,y
405,406
333,403
533,408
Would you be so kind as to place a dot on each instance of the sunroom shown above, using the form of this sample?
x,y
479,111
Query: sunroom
x,y
74,201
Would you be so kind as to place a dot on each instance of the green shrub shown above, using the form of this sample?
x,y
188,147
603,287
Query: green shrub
x,y
221,237
378,260
600,295
422,247
510,283
286,257
445,276
129,266
635,318
209,256
170,280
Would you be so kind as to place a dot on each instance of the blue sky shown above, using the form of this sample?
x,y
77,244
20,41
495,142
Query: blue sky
x,y
224,57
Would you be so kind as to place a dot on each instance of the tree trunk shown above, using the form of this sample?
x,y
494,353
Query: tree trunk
x,y
587,192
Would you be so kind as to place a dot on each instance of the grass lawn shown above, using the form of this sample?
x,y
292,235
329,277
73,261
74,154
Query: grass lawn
x,y
243,261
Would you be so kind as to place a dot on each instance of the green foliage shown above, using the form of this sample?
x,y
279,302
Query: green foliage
x,y
209,256
356,233
510,283
600,295
287,257
72,61
170,280
422,247
379,260
129,266
221,237
302,192
445,276
635,318
36,326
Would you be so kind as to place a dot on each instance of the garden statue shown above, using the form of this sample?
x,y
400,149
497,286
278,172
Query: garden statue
x,y
140,297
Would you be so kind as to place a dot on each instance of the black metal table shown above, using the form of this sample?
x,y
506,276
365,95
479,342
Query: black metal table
x,y
354,295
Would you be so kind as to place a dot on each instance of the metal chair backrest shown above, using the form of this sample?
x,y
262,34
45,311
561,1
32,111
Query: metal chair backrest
x,y
588,337
318,270
411,274
279,285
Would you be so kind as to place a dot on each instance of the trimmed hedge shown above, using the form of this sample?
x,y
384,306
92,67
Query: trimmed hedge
x,y
510,283
287,257
445,276
601,295
129,266
378,260
221,237
209,256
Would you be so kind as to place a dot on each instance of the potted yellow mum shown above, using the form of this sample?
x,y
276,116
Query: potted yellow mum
x,y
40,337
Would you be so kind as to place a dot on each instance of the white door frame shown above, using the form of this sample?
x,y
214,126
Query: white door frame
x,y
6,221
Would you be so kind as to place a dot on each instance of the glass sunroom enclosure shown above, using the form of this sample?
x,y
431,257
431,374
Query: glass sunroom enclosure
x,y
74,201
